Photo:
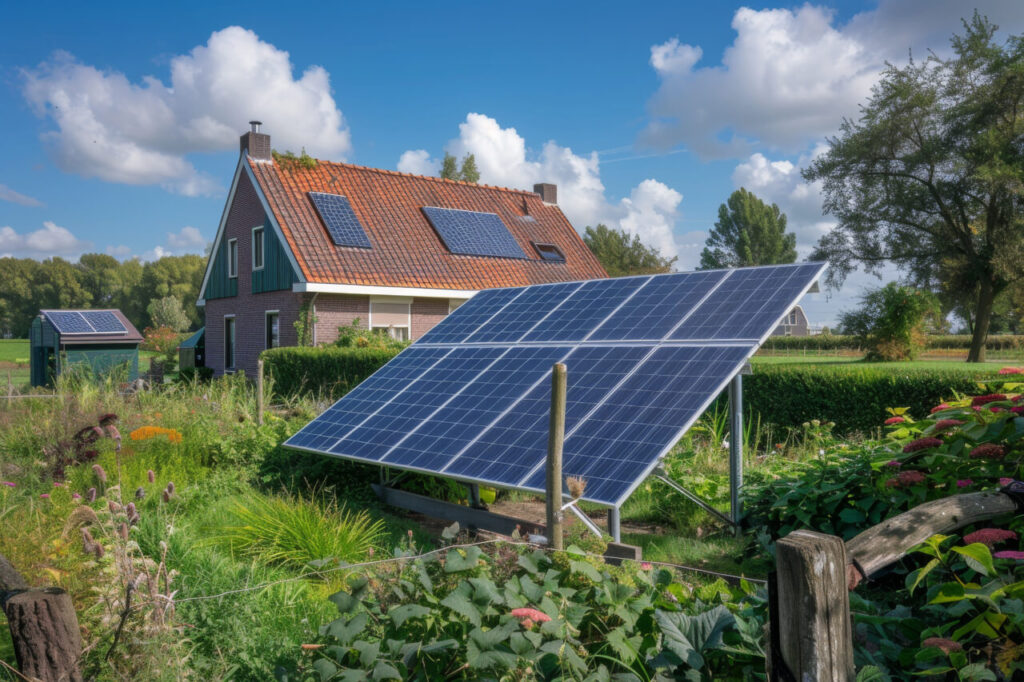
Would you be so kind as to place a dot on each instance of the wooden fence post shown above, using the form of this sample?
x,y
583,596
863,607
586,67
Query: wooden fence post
x,y
44,628
556,434
815,633
259,391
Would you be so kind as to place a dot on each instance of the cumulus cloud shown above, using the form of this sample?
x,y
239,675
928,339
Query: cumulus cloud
x,y
503,159
8,194
141,132
51,240
186,240
418,161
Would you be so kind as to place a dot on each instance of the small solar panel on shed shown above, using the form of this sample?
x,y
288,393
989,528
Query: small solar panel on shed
x,y
340,220
472,233
646,356
69,322
104,322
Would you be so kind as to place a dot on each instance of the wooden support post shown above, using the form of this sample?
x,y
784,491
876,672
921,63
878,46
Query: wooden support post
x,y
556,434
44,628
259,391
815,633
10,384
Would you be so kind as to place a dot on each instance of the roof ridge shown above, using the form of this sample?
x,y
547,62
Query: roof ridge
x,y
385,171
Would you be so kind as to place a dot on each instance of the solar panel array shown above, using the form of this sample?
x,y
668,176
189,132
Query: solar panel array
x,y
472,233
86,322
645,356
340,220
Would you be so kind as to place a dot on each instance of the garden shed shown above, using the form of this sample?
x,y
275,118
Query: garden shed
x,y
192,351
101,340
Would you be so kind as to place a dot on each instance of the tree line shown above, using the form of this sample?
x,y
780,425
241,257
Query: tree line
x,y
98,280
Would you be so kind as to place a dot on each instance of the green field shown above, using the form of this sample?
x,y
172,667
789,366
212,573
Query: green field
x,y
836,361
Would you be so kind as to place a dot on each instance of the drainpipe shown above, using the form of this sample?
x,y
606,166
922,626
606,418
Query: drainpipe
x,y
312,314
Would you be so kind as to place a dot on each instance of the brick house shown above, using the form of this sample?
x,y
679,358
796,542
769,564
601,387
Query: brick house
x,y
794,324
340,242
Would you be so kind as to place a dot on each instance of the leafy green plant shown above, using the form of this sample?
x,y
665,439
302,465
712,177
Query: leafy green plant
x,y
329,372
890,322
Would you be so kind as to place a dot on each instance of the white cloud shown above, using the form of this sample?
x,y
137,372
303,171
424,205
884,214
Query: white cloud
x,y
8,194
418,161
503,159
51,240
673,57
188,239
140,133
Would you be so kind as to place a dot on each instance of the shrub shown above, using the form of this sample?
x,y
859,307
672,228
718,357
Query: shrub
x,y
827,342
330,372
188,375
162,340
890,321
354,336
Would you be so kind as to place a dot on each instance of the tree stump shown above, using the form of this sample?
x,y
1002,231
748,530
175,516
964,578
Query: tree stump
x,y
44,628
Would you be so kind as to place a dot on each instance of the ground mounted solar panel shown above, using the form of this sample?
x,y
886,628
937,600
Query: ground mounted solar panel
x,y
341,221
645,356
472,233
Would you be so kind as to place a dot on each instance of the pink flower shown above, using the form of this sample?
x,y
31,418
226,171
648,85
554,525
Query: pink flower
x,y
1009,554
905,479
894,463
986,399
531,614
947,645
45,496
922,444
989,536
940,408
894,420
646,566
9,484
151,476
75,496
1017,409
997,409
1005,480
58,484
988,451
964,482
1011,370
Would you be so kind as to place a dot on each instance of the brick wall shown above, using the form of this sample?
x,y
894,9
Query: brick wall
x,y
249,309
336,310
426,312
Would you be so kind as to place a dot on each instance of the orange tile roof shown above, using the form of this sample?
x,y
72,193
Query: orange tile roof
x,y
407,252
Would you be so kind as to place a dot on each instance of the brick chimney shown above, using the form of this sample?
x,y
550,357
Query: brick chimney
x,y
256,144
547,191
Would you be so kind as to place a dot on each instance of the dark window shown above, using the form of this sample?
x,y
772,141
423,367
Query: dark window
x,y
549,252
273,331
257,248
229,343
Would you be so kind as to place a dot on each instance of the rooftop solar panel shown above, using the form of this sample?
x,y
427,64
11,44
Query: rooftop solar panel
x,y
646,355
340,220
104,321
473,234
69,322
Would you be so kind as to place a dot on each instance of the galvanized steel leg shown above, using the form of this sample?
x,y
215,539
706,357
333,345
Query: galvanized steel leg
x,y
613,524
474,495
735,448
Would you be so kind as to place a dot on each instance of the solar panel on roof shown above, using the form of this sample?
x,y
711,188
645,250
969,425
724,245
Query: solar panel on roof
x,y
472,233
340,220
646,355
70,322
104,321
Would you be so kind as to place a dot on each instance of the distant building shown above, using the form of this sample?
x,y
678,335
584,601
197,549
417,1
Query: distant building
x,y
336,243
795,324
100,341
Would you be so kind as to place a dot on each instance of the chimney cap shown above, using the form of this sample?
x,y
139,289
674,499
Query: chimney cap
x,y
255,125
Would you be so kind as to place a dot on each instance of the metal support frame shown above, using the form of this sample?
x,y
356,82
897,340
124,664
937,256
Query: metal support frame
x,y
662,475
613,524
474,495
735,449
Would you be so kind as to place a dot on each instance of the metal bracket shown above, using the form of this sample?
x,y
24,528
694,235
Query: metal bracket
x,y
661,475
585,519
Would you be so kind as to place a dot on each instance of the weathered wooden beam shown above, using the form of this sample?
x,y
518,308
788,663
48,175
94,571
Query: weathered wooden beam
x,y
10,579
556,435
814,628
889,541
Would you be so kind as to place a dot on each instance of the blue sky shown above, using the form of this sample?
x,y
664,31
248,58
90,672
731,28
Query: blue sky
x,y
120,124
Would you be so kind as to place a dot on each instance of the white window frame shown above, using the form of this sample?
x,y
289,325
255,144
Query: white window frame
x,y
391,299
234,344
266,328
263,247
232,259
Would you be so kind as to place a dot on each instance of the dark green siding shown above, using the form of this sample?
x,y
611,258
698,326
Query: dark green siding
x,y
277,273
102,359
220,286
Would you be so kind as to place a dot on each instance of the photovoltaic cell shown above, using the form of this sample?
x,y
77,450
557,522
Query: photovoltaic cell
x,y
658,307
69,322
104,321
623,439
340,220
472,233
522,313
578,315
517,442
474,407
469,316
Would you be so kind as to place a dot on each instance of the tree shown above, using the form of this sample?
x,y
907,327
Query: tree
x,y
470,173
890,322
168,312
930,176
620,255
748,232
178,276
450,168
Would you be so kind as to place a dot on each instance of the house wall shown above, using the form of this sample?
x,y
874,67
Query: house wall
x,y
426,312
248,308
337,310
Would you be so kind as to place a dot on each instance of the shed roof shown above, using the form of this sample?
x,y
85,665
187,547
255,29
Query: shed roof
x,y
130,336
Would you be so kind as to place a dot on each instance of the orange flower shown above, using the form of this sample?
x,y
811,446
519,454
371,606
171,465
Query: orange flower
x,y
147,432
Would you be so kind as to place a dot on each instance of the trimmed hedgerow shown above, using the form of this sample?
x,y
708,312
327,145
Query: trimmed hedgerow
x,y
825,342
854,398
327,372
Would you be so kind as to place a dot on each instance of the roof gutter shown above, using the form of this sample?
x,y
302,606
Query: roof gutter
x,y
367,290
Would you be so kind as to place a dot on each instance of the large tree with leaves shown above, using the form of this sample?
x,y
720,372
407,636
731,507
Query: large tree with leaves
x,y
931,176
623,255
748,232
468,173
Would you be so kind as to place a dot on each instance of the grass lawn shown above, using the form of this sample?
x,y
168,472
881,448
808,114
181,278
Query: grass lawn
x,y
14,350
837,361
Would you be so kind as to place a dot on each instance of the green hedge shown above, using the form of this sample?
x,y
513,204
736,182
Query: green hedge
x,y
824,342
854,398
328,372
